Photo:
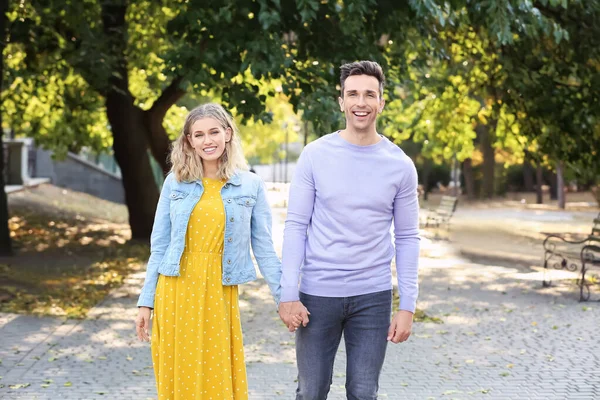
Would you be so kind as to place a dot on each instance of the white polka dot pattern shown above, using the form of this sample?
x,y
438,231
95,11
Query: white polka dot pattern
x,y
197,347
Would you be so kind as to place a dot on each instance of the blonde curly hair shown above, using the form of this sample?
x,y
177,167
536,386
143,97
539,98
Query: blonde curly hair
x,y
186,164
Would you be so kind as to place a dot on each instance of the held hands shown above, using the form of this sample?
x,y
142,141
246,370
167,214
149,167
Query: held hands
x,y
142,323
293,313
400,327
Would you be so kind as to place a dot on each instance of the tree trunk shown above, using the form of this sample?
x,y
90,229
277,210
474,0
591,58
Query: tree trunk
x,y
469,178
130,133
130,147
528,174
489,162
156,134
560,185
539,176
5,242
553,186
426,175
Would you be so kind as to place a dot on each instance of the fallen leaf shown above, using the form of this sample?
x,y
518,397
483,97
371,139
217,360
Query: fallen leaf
x,y
449,392
19,386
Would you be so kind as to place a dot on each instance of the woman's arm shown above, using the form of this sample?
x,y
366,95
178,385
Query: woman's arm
x,y
262,243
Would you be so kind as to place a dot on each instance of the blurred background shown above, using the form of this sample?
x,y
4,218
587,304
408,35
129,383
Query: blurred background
x,y
497,102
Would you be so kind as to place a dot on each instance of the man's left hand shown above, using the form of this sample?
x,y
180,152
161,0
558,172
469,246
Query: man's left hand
x,y
400,327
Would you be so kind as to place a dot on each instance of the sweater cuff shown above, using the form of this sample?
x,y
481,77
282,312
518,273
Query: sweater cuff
x,y
289,294
408,304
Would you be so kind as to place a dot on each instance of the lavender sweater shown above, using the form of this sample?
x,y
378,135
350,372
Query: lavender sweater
x,y
337,238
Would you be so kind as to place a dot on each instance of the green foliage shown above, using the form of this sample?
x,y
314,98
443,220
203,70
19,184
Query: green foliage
x,y
526,69
555,87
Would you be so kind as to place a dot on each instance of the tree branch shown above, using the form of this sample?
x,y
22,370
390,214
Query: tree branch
x,y
169,96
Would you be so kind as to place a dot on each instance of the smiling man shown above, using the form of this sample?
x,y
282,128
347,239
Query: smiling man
x,y
347,189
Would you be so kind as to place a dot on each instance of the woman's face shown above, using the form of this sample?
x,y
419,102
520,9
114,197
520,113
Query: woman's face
x,y
208,139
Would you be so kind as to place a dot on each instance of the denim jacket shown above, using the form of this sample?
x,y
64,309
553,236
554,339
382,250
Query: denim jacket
x,y
248,220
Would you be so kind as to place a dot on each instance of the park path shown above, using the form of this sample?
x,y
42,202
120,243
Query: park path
x,y
502,337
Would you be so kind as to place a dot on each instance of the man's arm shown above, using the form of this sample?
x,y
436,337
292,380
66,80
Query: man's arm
x,y
299,214
406,239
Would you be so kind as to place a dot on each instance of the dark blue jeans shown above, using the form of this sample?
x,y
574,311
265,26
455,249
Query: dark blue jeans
x,y
364,320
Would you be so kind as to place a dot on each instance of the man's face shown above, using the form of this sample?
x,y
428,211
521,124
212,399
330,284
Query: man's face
x,y
361,102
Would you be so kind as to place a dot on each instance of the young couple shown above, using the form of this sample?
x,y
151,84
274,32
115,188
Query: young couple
x,y
335,276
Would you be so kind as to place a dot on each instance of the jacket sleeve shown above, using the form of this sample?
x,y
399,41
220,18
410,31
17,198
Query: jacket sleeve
x,y
262,243
159,242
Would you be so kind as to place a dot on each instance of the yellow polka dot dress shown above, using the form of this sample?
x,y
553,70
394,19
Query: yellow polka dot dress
x,y
197,347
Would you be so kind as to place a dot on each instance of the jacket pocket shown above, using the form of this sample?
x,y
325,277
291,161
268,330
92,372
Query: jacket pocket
x,y
177,198
177,195
245,201
244,205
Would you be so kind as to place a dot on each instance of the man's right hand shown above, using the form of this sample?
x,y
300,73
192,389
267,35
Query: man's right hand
x,y
292,313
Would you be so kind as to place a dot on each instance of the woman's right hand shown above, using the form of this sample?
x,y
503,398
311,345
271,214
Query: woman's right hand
x,y
142,323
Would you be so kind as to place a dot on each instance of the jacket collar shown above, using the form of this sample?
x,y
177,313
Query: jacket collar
x,y
235,179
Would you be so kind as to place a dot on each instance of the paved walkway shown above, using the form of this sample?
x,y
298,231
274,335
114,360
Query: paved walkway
x,y
502,337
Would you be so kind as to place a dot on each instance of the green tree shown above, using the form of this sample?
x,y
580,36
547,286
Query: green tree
x,y
80,66
5,242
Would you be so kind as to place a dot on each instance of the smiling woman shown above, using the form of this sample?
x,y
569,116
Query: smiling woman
x,y
210,210
209,146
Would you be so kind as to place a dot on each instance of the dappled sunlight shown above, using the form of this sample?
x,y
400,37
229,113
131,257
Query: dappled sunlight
x,y
62,277
439,263
551,274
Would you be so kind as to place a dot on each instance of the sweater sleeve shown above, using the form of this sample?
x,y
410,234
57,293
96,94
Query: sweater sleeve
x,y
300,209
406,239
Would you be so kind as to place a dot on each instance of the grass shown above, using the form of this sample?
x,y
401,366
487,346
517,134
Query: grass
x,y
71,249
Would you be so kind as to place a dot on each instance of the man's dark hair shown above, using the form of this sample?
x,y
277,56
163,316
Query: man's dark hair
x,y
370,68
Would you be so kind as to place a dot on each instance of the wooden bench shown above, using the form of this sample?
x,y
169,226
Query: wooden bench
x,y
442,214
572,255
